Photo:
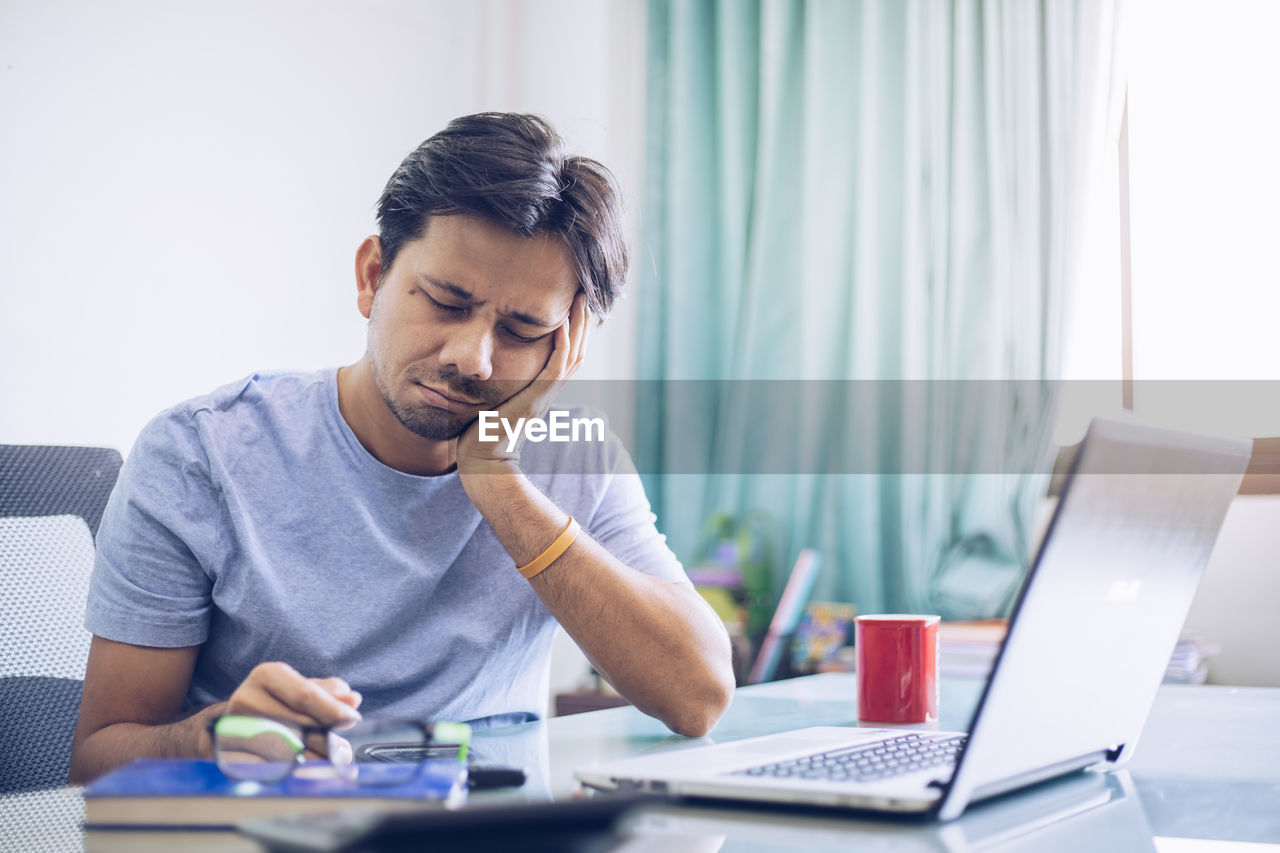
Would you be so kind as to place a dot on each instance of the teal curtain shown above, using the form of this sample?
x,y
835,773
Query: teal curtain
x,y
843,190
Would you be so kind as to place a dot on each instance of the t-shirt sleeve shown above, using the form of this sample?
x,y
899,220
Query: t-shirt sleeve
x,y
149,587
624,523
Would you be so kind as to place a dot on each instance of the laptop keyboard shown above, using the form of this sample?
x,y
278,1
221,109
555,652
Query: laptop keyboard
x,y
866,762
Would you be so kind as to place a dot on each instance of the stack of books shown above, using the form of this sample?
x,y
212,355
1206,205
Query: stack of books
x,y
969,649
195,794
1189,663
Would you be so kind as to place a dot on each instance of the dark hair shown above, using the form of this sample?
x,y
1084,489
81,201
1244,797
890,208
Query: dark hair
x,y
511,170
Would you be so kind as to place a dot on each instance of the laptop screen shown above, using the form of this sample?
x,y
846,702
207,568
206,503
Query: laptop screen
x,y
1101,607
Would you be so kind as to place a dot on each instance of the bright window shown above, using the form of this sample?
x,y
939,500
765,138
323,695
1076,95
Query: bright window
x,y
1204,190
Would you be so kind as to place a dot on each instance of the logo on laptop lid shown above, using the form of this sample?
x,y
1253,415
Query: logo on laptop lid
x,y
1123,591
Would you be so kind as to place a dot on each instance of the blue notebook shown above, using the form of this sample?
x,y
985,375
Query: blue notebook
x,y
196,794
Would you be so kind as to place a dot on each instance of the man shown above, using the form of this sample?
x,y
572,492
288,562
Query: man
x,y
306,545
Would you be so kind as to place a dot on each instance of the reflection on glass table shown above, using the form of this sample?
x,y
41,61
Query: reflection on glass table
x,y
1087,811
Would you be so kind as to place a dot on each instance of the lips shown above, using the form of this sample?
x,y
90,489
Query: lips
x,y
443,401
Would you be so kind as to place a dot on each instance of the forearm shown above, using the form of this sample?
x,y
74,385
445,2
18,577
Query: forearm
x,y
117,744
657,642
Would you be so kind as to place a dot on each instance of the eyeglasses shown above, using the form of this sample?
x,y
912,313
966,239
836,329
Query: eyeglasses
x,y
370,752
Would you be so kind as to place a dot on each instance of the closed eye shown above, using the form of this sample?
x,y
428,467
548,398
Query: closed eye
x,y
521,339
512,334
451,309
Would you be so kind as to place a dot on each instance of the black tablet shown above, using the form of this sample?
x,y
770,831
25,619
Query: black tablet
x,y
577,826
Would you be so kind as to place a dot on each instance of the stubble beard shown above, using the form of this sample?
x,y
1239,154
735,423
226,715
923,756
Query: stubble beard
x,y
421,419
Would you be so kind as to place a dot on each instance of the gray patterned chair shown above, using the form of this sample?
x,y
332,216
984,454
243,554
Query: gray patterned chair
x,y
51,501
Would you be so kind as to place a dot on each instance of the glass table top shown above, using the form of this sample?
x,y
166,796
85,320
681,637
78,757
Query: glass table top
x,y
1206,772
1205,778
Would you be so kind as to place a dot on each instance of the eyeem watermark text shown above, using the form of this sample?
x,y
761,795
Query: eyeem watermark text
x,y
557,426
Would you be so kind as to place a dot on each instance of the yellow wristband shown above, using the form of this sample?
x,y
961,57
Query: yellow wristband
x,y
549,556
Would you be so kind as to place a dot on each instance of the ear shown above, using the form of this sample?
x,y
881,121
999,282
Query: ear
x,y
368,269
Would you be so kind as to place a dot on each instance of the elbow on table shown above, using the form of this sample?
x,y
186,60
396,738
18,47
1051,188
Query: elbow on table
x,y
85,765
698,714
88,763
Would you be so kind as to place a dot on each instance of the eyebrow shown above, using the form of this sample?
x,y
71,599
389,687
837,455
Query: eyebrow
x,y
463,293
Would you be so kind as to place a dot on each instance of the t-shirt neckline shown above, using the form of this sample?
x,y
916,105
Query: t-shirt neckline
x,y
362,456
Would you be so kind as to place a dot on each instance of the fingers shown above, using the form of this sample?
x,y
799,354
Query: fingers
x,y
317,745
278,690
579,332
340,690
570,342
558,361
558,366
587,323
340,750
329,746
568,349
566,357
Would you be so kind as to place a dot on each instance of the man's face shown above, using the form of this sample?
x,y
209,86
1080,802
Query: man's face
x,y
463,320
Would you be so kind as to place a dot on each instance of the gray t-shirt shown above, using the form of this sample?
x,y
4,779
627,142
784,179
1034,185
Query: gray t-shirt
x,y
252,522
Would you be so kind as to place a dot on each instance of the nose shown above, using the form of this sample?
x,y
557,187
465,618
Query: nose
x,y
469,349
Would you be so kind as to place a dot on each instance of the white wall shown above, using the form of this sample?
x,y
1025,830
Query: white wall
x,y
1235,607
183,185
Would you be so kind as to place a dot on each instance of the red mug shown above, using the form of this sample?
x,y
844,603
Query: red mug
x,y
897,665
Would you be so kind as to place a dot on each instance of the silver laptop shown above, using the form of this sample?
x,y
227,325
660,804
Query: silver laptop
x,y
1088,642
